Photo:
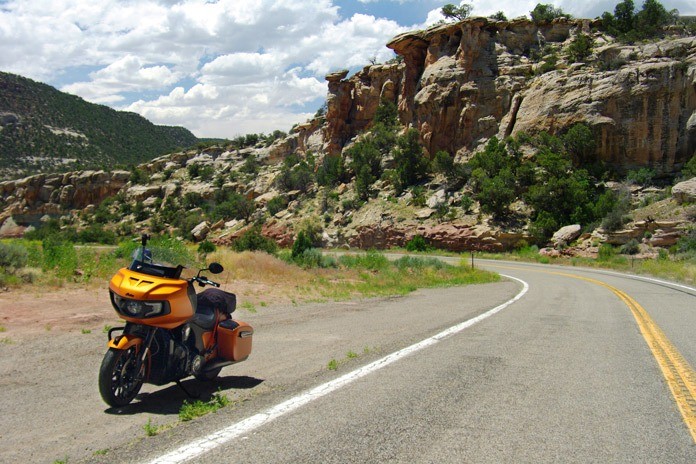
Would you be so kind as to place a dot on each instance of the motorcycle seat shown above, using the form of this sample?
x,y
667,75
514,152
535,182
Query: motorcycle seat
x,y
204,317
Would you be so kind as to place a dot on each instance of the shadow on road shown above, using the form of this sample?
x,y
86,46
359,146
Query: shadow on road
x,y
168,401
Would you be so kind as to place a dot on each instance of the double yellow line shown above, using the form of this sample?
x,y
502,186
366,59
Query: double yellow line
x,y
680,376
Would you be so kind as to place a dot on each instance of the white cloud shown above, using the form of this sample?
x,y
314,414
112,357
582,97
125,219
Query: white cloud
x,y
217,67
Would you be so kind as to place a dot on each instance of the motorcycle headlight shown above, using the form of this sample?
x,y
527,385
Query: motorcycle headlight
x,y
138,308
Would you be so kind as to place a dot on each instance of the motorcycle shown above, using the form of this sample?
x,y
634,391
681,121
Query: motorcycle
x,y
171,332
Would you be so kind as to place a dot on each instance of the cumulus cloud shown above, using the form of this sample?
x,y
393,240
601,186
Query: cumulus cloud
x,y
219,67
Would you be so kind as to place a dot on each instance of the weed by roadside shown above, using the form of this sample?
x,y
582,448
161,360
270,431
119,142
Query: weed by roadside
x,y
247,305
86,331
153,429
350,355
190,411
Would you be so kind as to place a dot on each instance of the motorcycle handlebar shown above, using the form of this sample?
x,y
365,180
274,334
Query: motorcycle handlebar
x,y
203,281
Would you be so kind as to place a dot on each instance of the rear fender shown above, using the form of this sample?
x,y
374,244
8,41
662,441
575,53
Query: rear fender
x,y
125,341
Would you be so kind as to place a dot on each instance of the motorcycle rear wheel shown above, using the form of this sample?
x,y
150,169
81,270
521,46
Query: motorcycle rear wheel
x,y
118,381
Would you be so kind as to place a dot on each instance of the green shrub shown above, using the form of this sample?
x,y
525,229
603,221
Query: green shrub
x,y
544,12
206,247
643,176
418,263
606,252
580,48
59,256
12,257
632,247
301,244
276,204
689,169
411,165
97,234
417,243
313,258
687,243
234,206
331,171
371,260
253,240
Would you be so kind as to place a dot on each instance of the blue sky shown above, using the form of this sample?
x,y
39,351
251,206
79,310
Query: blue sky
x,y
220,68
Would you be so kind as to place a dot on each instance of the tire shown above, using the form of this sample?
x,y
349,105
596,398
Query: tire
x,y
208,376
118,381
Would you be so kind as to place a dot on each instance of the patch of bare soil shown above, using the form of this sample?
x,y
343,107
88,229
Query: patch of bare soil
x,y
31,311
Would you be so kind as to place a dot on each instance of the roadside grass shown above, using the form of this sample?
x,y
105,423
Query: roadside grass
x,y
334,363
198,408
674,268
258,278
153,429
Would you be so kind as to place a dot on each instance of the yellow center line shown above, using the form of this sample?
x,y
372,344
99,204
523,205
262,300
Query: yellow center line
x,y
678,373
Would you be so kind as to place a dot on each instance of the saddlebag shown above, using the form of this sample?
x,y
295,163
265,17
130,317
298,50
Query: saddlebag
x,y
234,340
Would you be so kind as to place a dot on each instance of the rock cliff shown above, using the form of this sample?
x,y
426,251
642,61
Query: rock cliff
x,y
460,84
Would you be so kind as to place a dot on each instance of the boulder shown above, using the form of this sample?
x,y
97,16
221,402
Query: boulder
x,y
685,192
566,235
201,231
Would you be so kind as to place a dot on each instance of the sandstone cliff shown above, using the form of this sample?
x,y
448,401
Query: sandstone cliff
x,y
459,84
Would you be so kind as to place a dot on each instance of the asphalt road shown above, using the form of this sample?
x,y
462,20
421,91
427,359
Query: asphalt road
x,y
584,367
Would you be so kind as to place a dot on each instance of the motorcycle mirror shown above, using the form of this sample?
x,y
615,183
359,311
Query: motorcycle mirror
x,y
215,268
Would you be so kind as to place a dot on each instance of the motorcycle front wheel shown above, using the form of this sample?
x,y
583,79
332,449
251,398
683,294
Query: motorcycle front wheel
x,y
119,382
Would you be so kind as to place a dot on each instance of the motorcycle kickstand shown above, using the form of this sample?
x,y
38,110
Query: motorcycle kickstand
x,y
189,394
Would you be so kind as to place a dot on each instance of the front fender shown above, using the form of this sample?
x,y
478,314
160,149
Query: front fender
x,y
125,341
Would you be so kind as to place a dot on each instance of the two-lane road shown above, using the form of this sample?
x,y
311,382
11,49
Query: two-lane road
x,y
569,372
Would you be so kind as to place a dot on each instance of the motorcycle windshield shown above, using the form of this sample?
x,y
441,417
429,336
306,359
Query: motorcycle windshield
x,y
144,263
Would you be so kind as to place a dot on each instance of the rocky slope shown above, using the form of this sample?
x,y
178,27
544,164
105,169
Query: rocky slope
x,y
458,85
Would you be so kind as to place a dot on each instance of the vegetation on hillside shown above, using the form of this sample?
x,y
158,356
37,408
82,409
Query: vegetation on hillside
x,y
48,130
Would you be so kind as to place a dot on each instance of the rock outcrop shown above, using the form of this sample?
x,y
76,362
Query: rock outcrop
x,y
460,84
32,197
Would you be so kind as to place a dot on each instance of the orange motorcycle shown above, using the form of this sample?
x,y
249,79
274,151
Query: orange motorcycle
x,y
171,331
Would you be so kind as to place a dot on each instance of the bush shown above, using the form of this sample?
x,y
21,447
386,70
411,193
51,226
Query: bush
x,y
206,247
371,260
313,258
276,205
418,263
235,206
331,171
580,49
253,240
606,252
643,177
301,244
544,12
687,244
97,234
689,169
417,243
411,165
12,257
632,247
59,256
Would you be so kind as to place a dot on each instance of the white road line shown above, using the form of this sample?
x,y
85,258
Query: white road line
x,y
227,434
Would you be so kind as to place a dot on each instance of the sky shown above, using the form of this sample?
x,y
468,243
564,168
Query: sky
x,y
221,68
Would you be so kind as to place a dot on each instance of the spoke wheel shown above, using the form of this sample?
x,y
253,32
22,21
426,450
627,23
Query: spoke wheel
x,y
119,382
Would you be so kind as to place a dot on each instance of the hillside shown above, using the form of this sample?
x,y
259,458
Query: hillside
x,y
44,130
482,135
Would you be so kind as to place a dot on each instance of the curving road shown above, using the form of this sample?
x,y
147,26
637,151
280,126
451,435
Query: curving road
x,y
584,366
